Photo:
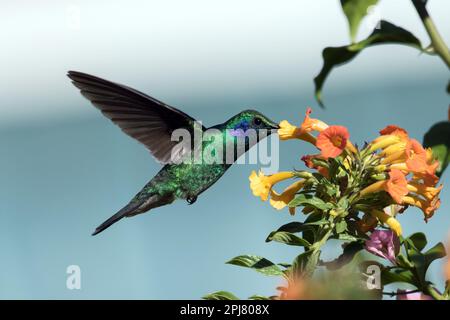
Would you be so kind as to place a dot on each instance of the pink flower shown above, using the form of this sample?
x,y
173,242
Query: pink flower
x,y
402,295
384,244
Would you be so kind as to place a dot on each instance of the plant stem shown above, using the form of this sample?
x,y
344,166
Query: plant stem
x,y
431,291
393,294
436,40
447,290
315,249
317,245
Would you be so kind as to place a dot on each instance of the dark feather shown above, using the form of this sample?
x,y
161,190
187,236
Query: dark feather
x,y
142,117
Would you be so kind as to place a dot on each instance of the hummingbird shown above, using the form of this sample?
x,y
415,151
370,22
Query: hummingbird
x,y
152,123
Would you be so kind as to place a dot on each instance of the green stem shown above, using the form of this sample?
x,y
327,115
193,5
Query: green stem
x,y
447,290
436,40
315,248
318,244
423,286
431,291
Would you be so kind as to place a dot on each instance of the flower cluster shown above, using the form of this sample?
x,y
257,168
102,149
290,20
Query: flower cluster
x,y
353,195
391,170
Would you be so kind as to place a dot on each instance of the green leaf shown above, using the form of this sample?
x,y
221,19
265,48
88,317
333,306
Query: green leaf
x,y
310,201
258,264
437,252
438,138
287,238
305,264
313,218
418,240
422,261
341,226
349,253
402,261
388,33
396,276
419,262
355,11
258,297
220,295
343,204
294,227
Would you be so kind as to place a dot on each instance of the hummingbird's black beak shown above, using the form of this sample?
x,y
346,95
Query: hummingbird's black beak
x,y
274,126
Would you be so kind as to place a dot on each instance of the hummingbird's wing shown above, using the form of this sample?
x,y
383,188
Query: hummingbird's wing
x,y
142,117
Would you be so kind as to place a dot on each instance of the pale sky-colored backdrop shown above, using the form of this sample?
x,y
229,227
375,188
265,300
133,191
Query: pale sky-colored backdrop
x,y
64,168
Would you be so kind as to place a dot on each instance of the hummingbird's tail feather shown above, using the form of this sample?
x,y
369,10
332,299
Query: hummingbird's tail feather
x,y
138,205
125,211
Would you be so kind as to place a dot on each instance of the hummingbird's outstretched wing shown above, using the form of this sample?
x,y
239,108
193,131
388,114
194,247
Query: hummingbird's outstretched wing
x,y
142,117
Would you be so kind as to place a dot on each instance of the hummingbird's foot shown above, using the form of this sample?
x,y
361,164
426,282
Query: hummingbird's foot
x,y
191,199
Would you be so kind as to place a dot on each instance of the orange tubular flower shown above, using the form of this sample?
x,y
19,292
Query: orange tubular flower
x,y
261,184
309,124
394,130
280,201
429,174
396,186
427,206
400,135
332,141
421,189
416,157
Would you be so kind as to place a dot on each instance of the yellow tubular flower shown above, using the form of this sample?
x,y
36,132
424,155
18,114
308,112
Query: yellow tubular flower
x,y
391,222
381,168
374,188
350,147
400,166
384,142
398,156
261,184
398,147
288,131
280,201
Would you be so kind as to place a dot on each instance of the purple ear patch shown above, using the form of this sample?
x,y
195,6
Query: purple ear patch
x,y
237,132
240,129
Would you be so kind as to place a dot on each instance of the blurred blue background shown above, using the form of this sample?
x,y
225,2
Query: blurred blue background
x,y
64,168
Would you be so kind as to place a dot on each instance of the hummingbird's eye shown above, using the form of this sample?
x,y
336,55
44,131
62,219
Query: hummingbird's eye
x,y
257,121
